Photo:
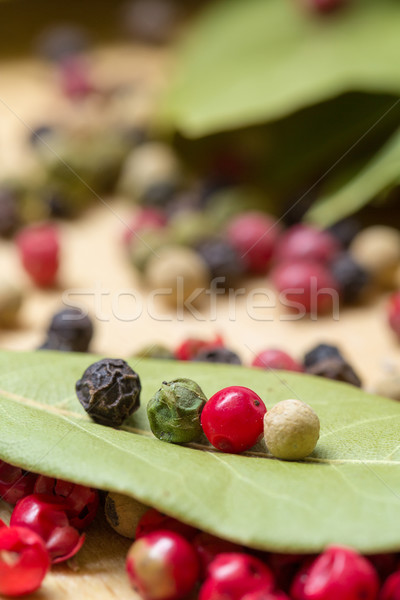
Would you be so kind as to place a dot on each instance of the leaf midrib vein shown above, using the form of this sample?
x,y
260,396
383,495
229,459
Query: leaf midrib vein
x,y
310,459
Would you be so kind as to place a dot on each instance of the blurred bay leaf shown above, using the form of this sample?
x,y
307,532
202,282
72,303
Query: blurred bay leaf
x,y
380,173
249,62
347,492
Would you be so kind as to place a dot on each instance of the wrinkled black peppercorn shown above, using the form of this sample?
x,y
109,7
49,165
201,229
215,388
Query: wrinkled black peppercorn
x,y
222,259
352,278
337,369
321,352
109,391
218,354
70,330
327,361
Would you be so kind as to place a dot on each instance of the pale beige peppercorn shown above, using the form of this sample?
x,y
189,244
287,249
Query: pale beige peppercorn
x,y
377,249
123,513
291,430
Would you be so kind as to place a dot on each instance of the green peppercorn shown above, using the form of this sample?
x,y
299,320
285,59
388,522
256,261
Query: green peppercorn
x,y
109,391
174,411
123,513
10,303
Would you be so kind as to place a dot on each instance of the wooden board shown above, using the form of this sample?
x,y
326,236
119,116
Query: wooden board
x,y
93,259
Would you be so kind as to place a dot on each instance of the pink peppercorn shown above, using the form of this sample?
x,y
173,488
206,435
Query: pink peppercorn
x,y
232,419
276,359
232,575
24,561
14,483
39,248
302,242
338,572
254,235
306,287
82,501
46,516
208,547
162,566
391,588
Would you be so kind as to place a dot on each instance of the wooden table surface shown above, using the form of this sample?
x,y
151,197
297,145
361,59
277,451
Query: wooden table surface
x,y
93,259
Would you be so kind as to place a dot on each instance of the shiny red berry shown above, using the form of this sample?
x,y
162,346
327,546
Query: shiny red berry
x,y
232,575
232,419
306,287
15,483
24,561
46,516
39,247
254,235
393,312
81,500
162,566
391,588
190,348
208,547
153,520
338,572
276,359
262,595
302,242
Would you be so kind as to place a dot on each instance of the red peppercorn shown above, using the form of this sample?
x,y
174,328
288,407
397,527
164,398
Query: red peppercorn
x,y
153,520
208,547
262,595
15,483
232,419
306,287
393,311
254,235
82,501
144,219
46,516
189,348
302,242
38,247
276,359
162,566
232,575
391,588
338,572
24,561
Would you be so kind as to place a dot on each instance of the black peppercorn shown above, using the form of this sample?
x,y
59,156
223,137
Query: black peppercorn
x,y
219,354
320,353
352,278
109,391
70,330
335,368
221,258
327,361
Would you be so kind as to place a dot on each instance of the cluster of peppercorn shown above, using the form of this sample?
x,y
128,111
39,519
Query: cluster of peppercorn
x,y
179,412
182,559
324,360
46,526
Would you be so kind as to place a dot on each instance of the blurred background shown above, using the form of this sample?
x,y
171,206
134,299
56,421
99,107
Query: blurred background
x,y
238,148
